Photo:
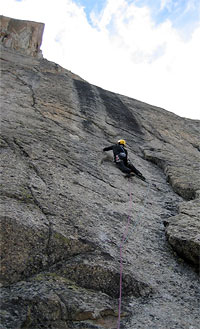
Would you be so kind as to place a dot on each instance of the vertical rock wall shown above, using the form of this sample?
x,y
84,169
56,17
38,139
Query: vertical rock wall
x,y
65,205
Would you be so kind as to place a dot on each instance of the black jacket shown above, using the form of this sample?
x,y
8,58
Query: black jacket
x,y
119,152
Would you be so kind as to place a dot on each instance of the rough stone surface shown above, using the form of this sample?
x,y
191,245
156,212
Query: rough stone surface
x,y
23,36
183,231
65,206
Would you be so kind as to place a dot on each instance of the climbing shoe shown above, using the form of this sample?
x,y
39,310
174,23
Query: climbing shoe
x,y
141,177
129,175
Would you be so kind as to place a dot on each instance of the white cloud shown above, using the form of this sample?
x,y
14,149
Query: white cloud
x,y
166,4
124,51
191,5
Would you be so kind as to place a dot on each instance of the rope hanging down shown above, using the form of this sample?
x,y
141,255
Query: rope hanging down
x,y
121,265
144,204
124,238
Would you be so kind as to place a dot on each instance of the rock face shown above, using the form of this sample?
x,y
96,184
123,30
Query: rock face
x,y
22,36
65,206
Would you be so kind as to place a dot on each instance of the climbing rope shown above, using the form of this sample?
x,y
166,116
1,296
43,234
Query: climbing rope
x,y
144,201
121,259
124,238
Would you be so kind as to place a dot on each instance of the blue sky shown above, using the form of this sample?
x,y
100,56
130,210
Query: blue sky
x,y
91,5
144,49
183,14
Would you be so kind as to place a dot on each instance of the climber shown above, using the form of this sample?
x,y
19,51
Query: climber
x,y
121,159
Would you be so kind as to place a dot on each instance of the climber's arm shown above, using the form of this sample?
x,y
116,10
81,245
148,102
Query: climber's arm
x,y
109,148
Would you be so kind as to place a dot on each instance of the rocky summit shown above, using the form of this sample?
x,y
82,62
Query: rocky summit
x,y
72,226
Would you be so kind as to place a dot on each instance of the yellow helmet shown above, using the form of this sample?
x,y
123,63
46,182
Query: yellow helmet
x,y
122,141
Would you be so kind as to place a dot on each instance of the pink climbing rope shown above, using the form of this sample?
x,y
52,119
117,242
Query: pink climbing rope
x,y
121,258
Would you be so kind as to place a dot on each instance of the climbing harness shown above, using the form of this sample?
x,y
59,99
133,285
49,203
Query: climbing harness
x,y
124,239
